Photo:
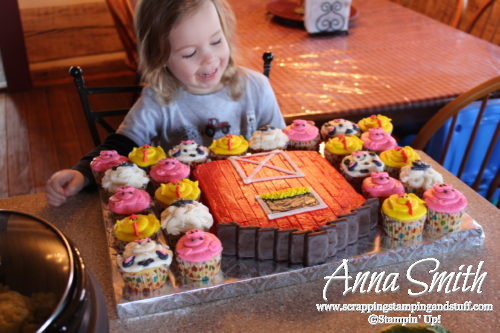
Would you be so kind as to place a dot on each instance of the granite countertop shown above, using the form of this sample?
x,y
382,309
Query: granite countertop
x,y
291,308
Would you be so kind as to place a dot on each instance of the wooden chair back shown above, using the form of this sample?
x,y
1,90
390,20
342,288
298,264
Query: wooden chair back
x,y
484,93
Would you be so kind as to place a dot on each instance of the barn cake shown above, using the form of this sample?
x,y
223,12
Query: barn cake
x,y
284,205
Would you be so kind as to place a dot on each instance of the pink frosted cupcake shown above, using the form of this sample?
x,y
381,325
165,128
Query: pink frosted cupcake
x,y
377,140
359,165
303,135
198,255
129,200
380,185
336,127
106,160
446,207
168,170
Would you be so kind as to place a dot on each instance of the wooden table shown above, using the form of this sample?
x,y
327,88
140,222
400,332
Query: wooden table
x,y
290,309
394,61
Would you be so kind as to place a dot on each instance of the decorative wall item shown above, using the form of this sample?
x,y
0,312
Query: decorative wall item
x,y
327,16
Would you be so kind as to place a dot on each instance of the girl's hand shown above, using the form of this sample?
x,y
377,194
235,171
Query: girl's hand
x,y
63,184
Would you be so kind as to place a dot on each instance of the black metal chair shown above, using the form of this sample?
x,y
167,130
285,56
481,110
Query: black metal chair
x,y
94,117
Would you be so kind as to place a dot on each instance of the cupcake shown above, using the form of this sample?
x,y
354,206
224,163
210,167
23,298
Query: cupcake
x,y
106,160
144,265
302,135
198,255
377,140
228,145
336,127
404,216
340,146
134,227
446,207
129,200
182,216
359,165
168,170
146,156
419,177
187,189
190,153
380,185
125,174
395,159
376,121
267,138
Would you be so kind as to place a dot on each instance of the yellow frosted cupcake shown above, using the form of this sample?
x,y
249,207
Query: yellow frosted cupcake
x,y
229,145
340,146
404,216
185,189
146,156
395,159
376,121
134,227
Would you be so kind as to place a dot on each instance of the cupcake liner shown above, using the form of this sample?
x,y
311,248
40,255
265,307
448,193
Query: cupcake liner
x,y
403,230
334,159
418,191
147,280
439,224
355,182
199,271
304,145
392,171
391,243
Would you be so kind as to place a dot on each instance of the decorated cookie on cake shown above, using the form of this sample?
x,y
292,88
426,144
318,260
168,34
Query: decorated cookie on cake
x,y
380,185
395,159
359,165
336,127
146,156
134,227
419,177
378,140
302,135
190,153
267,138
184,215
227,146
144,265
106,160
404,216
376,121
198,255
129,200
341,146
167,193
168,170
446,207
125,174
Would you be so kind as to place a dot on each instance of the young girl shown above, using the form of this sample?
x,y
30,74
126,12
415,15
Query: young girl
x,y
186,58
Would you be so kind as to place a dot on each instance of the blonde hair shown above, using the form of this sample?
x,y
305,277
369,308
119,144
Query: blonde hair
x,y
153,22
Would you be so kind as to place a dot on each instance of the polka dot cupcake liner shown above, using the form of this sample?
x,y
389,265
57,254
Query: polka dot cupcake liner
x,y
199,271
439,224
391,243
146,280
404,230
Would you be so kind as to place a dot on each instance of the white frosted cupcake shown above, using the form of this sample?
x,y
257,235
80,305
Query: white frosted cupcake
x,y
190,153
184,215
336,127
267,138
419,177
144,265
125,174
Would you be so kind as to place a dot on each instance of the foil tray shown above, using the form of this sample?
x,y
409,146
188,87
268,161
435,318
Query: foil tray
x,y
245,276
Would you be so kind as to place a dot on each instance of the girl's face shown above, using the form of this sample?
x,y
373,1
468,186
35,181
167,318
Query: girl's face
x,y
199,52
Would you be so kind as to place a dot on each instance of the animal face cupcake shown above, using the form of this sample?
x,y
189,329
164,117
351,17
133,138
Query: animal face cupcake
x,y
229,145
106,160
336,127
359,165
446,207
376,121
340,146
267,138
380,185
419,177
146,155
378,140
144,265
134,227
168,170
129,200
302,135
198,255
395,159
190,153
404,216
187,189
126,174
